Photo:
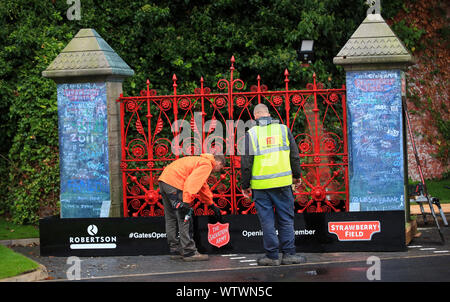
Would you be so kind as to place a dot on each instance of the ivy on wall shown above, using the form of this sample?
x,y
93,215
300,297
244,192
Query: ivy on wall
x,y
424,28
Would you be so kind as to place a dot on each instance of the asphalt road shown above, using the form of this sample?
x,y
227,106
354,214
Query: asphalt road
x,y
417,268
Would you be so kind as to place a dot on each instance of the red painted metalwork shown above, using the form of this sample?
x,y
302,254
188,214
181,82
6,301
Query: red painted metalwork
x,y
316,117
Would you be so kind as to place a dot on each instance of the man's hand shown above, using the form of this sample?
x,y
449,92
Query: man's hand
x,y
178,204
183,211
247,192
181,207
296,181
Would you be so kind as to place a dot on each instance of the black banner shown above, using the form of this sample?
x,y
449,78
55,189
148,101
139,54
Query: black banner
x,y
315,232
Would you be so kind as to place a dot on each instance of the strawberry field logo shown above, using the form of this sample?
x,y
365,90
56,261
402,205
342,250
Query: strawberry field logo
x,y
354,230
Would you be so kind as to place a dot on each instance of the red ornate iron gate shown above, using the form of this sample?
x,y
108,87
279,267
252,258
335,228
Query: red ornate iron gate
x,y
151,124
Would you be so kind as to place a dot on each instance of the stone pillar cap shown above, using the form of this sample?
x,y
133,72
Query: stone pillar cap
x,y
87,54
374,42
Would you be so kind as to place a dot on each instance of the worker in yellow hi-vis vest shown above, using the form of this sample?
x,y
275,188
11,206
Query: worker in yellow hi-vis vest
x,y
269,166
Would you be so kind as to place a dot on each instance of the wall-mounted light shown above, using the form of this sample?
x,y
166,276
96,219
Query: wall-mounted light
x,y
306,52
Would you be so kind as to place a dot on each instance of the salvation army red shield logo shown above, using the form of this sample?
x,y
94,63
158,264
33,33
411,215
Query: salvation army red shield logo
x,y
218,234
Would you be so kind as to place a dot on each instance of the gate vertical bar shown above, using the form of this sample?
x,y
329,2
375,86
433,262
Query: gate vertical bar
x,y
231,145
175,116
286,97
202,99
202,129
258,78
316,133
123,157
150,146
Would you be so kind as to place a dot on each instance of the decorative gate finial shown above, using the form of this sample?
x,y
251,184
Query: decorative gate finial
x,y
374,7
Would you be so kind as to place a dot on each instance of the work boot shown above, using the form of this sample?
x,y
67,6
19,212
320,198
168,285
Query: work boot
x,y
176,255
196,256
266,261
292,259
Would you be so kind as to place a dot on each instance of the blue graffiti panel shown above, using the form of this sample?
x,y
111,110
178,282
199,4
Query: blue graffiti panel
x,y
375,136
83,143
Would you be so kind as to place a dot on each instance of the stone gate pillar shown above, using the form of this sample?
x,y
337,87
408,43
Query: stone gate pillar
x,y
374,60
89,76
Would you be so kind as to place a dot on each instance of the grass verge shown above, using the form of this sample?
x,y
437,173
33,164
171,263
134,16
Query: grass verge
x,y
438,188
9,230
13,264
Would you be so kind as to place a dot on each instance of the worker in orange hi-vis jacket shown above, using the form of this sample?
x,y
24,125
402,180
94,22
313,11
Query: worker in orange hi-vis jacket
x,y
178,183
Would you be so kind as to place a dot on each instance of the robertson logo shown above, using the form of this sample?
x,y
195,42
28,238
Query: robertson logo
x,y
92,241
218,234
354,230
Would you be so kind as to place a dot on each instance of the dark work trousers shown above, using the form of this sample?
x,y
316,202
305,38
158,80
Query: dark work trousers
x,y
282,200
184,243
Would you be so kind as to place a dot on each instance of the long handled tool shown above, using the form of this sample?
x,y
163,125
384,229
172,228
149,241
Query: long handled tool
x,y
422,179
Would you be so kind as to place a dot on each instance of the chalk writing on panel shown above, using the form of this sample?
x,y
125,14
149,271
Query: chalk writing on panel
x,y
375,135
83,142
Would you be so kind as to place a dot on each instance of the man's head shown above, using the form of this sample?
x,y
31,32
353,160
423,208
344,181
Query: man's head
x,y
260,110
220,163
